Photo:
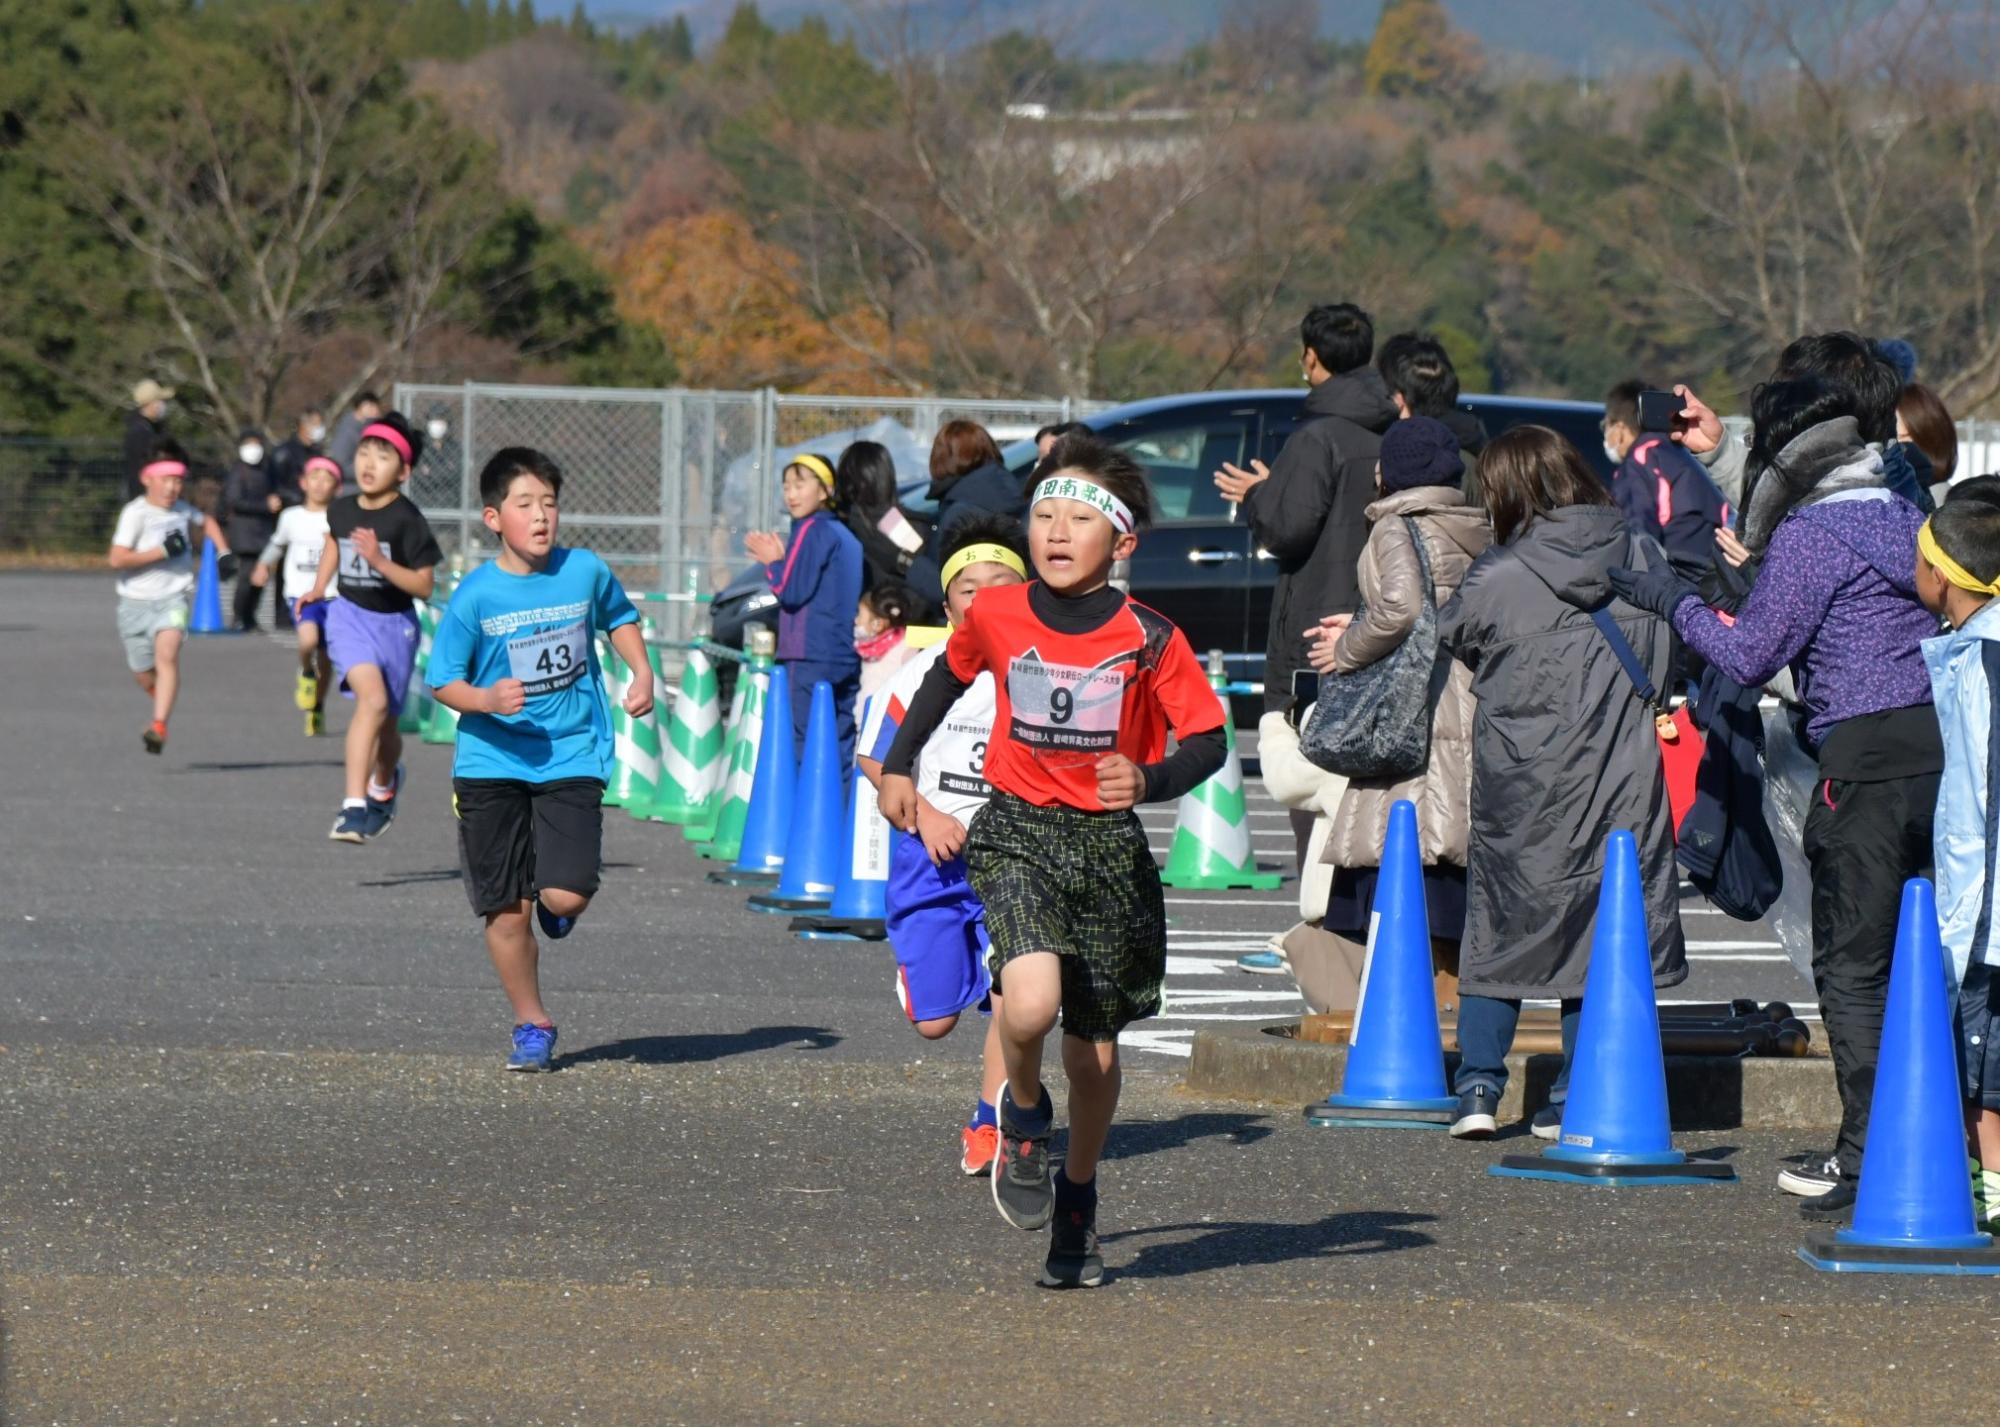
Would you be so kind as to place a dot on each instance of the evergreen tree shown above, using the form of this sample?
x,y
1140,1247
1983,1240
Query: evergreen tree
x,y
501,27
525,22
580,28
679,46
478,26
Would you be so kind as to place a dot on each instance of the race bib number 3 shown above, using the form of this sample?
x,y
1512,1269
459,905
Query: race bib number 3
x,y
1063,709
551,660
356,571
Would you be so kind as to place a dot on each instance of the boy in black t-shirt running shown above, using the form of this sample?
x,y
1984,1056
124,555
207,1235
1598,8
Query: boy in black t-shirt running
x,y
381,548
1087,684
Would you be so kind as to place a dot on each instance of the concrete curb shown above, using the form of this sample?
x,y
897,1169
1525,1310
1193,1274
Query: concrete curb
x,y
1703,1092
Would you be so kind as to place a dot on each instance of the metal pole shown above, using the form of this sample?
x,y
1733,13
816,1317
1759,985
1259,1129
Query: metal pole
x,y
468,493
673,437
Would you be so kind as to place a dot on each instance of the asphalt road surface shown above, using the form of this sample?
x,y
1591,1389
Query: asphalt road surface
x,y
262,1165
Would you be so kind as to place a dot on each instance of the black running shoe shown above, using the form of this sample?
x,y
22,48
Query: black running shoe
x,y
1833,1206
1074,1261
555,928
1023,1191
1477,1108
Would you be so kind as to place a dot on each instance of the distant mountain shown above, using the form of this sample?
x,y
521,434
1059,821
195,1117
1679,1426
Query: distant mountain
x,y
1570,36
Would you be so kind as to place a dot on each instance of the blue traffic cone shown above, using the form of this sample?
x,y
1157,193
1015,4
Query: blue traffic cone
x,y
1395,1066
208,595
812,854
762,853
860,900
1913,1206
1615,1128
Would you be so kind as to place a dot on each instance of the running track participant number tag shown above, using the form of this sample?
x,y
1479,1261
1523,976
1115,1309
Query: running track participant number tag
x,y
551,660
356,571
1060,708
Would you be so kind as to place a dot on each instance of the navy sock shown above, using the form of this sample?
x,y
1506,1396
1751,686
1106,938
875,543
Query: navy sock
x,y
1038,1119
982,1115
1070,1195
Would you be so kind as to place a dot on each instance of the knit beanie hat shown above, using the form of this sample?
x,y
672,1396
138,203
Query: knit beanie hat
x,y
1421,451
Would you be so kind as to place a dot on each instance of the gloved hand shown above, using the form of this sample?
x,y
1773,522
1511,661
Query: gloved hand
x,y
1660,591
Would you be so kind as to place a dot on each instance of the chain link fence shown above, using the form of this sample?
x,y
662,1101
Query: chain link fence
x,y
665,484
59,497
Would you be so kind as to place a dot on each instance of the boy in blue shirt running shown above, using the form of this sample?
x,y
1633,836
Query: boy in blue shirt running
x,y
514,656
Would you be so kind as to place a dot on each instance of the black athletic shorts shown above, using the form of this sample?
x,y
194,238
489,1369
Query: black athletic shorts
x,y
516,838
1084,886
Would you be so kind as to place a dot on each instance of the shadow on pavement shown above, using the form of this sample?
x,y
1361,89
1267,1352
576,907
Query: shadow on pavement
x,y
682,1050
1237,1244
412,879
1131,1138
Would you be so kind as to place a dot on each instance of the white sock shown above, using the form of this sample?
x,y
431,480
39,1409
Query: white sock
x,y
353,803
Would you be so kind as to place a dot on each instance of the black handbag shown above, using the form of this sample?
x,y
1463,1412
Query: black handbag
x,y
1376,721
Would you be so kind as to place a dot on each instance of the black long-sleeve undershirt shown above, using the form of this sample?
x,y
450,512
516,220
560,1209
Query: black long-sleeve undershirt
x,y
1196,757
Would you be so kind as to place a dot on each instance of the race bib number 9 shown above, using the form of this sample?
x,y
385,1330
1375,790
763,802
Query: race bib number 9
x,y
551,660
1062,709
356,571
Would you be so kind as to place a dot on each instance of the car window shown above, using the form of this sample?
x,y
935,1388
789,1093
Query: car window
x,y
1182,461
1579,425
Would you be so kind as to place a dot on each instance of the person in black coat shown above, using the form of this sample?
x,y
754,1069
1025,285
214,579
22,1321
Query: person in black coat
x,y
967,476
145,426
288,462
1310,509
252,507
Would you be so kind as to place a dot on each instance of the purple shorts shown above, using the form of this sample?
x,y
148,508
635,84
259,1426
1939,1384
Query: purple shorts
x,y
314,613
356,636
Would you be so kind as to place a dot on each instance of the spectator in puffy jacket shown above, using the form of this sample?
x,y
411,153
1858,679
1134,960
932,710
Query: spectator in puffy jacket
x,y
1663,491
1420,499
1835,601
816,575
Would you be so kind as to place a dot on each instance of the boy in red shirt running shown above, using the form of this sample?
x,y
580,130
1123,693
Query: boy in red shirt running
x,y
1088,683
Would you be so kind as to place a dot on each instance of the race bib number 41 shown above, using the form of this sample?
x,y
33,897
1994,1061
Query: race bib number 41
x,y
1060,708
551,660
356,571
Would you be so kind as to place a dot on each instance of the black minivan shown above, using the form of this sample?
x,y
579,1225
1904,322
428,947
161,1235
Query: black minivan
x,y
1198,565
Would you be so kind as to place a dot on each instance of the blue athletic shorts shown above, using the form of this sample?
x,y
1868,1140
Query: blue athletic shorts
x,y
937,928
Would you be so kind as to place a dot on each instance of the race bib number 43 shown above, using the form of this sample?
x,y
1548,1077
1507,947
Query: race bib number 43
x,y
1060,708
551,660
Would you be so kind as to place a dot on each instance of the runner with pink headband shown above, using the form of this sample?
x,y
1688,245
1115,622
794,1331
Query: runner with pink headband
x,y
382,431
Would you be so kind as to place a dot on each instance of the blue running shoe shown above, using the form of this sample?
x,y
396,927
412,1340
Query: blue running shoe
x,y
351,826
555,928
534,1047
1264,963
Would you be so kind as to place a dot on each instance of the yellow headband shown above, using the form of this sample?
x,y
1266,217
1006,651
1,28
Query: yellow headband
x,y
980,555
816,464
1950,568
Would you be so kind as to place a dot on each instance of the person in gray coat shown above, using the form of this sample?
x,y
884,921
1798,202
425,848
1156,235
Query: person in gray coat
x,y
1564,753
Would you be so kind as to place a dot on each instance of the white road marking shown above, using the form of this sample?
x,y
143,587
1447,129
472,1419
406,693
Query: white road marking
x,y
1276,899
1734,946
1176,997
1737,956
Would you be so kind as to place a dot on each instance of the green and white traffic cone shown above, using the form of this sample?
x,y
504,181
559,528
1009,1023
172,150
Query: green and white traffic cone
x,y
727,843
416,715
691,765
621,723
1211,849
637,776
700,827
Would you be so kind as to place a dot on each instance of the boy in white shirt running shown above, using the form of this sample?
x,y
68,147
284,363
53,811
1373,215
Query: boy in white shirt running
x,y
299,541
936,923
152,548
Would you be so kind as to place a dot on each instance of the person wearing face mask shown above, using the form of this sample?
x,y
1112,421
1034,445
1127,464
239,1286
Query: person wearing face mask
x,y
288,462
252,505
1662,490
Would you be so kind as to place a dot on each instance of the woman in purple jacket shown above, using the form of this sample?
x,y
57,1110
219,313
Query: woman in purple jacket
x,y
816,576
1835,602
